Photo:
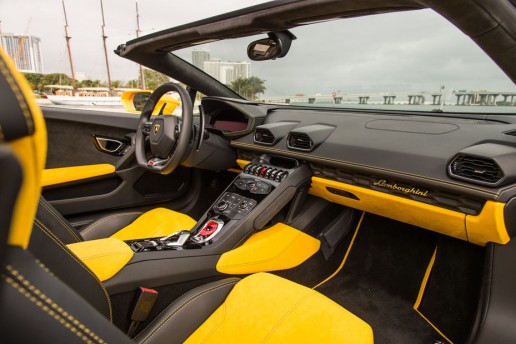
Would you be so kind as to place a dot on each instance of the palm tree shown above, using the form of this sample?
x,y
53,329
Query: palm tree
x,y
248,87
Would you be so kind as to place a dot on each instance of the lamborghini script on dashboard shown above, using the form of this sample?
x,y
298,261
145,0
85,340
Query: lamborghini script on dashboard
x,y
407,190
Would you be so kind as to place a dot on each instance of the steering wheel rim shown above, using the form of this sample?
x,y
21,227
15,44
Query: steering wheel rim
x,y
169,135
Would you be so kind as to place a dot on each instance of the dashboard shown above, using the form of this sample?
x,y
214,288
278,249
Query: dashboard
x,y
432,170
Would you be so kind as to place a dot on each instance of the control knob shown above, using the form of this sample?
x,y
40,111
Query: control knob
x,y
222,205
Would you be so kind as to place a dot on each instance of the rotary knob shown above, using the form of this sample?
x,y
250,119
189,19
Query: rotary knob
x,y
222,205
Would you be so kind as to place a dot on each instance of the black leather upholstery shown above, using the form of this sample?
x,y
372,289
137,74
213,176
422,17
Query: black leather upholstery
x,y
48,249
37,307
187,313
109,225
60,227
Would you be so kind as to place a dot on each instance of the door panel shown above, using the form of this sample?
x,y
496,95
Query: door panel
x,y
71,142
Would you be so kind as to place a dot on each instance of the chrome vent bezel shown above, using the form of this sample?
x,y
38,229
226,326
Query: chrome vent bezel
x,y
268,132
473,176
308,148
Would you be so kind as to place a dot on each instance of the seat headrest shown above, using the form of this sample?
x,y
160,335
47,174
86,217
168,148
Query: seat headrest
x,y
23,134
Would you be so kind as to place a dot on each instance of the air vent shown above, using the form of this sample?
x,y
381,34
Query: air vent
x,y
300,141
476,169
264,136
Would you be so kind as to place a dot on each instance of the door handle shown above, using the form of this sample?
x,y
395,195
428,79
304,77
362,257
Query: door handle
x,y
109,145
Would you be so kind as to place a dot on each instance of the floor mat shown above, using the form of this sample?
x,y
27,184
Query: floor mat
x,y
382,277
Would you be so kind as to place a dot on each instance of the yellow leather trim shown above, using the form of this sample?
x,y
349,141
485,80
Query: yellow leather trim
x,y
425,280
489,225
266,308
53,176
405,210
155,223
242,163
345,256
276,248
31,153
104,257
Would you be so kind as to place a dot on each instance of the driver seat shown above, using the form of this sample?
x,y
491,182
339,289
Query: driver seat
x,y
37,306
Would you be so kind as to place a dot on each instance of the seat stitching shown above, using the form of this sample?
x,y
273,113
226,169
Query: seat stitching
x,y
46,231
49,301
286,315
19,95
67,227
218,325
93,225
175,312
45,308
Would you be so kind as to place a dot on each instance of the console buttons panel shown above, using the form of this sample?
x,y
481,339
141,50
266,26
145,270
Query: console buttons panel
x,y
266,172
253,186
234,206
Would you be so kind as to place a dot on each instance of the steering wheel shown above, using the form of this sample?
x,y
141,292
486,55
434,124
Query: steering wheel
x,y
169,135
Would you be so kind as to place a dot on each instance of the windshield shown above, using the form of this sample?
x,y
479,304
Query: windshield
x,y
399,61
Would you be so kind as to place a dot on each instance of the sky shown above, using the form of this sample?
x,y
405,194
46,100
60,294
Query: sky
x,y
399,52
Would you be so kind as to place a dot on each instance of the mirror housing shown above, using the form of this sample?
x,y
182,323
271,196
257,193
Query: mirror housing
x,y
134,100
276,46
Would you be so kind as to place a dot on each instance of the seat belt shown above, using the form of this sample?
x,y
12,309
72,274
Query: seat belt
x,y
142,308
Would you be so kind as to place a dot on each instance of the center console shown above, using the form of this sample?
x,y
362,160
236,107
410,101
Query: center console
x,y
256,195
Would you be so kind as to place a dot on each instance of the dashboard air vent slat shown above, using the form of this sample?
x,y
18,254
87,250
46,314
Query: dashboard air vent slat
x,y
264,136
300,141
480,169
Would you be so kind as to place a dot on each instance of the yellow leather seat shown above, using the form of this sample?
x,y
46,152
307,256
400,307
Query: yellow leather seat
x,y
39,304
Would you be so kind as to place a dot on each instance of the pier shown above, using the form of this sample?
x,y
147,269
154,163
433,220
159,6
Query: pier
x,y
483,98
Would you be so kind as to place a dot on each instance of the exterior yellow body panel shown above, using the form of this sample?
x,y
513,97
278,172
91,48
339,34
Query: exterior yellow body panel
x,y
31,153
155,223
104,257
53,176
276,248
291,314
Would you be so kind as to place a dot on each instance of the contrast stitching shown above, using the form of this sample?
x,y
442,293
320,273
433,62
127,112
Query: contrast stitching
x,y
70,230
19,96
49,301
46,231
43,266
93,225
46,309
175,312
216,327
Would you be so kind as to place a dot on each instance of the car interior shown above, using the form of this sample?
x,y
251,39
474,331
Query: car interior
x,y
246,222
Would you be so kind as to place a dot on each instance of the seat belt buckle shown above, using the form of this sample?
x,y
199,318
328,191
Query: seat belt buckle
x,y
142,308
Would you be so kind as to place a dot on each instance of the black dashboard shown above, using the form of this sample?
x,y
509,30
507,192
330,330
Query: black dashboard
x,y
455,163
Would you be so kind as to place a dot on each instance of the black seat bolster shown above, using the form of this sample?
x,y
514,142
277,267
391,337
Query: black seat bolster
x,y
52,219
47,248
179,320
109,225
38,308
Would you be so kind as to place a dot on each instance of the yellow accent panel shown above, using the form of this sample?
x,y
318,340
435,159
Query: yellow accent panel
x,y
105,257
31,153
345,256
433,326
266,308
488,226
157,222
425,280
416,213
242,163
128,102
276,248
61,175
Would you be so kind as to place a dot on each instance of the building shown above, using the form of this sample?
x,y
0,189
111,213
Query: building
x,y
199,57
24,50
227,72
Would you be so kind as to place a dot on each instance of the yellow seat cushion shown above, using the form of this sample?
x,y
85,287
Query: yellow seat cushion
x,y
105,257
266,308
155,223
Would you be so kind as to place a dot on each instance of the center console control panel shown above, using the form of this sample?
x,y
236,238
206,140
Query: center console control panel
x,y
234,206
267,172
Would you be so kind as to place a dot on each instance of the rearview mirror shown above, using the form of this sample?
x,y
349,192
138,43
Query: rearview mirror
x,y
276,46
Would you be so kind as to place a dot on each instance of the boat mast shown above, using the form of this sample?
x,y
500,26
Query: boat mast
x,y
69,50
142,77
104,37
